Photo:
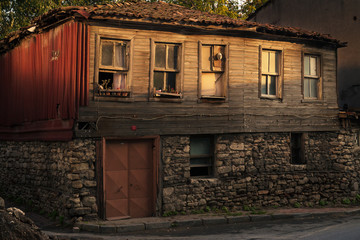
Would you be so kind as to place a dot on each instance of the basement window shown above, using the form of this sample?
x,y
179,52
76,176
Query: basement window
x,y
212,79
297,148
357,138
113,68
201,155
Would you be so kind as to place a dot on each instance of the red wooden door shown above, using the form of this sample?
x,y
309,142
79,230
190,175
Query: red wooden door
x,y
128,179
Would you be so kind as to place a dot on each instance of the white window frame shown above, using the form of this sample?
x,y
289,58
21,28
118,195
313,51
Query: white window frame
x,y
317,77
223,71
278,73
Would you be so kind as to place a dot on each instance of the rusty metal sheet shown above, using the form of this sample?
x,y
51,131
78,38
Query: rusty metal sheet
x,y
45,78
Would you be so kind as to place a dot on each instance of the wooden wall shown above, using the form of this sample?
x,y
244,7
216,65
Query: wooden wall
x,y
243,110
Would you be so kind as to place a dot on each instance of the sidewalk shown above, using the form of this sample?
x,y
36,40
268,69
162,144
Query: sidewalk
x,y
143,224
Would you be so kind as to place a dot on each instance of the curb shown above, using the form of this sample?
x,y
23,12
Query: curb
x,y
205,221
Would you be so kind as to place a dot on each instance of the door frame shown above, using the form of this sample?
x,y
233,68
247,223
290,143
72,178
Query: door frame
x,y
101,156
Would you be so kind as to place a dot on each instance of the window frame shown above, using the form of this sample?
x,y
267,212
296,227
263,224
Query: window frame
x,y
225,78
166,96
318,77
279,76
210,155
112,94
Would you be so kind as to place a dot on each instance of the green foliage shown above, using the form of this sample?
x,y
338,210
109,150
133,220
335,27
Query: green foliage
x,y
228,8
323,203
249,6
61,220
207,209
346,201
225,209
53,215
297,205
170,213
248,208
200,211
357,198
15,14
258,212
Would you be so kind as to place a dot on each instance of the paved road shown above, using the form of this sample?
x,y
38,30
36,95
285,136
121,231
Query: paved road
x,y
312,229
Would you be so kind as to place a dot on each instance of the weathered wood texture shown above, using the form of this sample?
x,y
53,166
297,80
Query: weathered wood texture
x,y
242,111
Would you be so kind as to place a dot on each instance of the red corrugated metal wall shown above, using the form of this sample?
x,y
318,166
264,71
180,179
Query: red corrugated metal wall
x,y
43,81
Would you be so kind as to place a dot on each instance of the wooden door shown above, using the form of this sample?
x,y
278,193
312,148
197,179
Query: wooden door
x,y
128,179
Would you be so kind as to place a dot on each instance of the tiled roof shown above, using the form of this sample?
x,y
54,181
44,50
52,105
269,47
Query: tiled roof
x,y
159,13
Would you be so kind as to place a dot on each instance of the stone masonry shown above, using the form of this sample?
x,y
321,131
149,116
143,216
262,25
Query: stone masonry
x,y
57,177
254,169
251,169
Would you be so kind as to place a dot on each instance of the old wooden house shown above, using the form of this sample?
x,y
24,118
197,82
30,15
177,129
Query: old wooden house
x,y
138,109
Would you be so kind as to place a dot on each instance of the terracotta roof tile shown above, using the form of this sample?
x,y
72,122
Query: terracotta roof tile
x,y
160,13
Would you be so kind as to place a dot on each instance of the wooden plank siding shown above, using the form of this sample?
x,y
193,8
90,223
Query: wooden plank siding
x,y
242,111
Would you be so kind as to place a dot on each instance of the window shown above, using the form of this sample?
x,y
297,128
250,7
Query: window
x,y
297,148
212,71
357,138
166,80
113,68
201,156
270,74
311,76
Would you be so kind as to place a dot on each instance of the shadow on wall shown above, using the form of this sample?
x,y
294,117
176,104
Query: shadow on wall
x,y
349,87
351,97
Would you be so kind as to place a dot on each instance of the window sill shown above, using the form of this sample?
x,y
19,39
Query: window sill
x,y
209,179
111,98
165,99
311,100
167,95
298,167
212,99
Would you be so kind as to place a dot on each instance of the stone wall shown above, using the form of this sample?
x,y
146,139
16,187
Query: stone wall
x,y
254,169
54,176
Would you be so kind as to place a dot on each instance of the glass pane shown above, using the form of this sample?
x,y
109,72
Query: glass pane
x,y
159,80
120,55
106,80
202,161
273,62
171,82
313,67
200,145
306,65
119,81
265,62
313,87
208,84
172,56
219,86
206,58
264,84
306,88
107,54
272,85
160,56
